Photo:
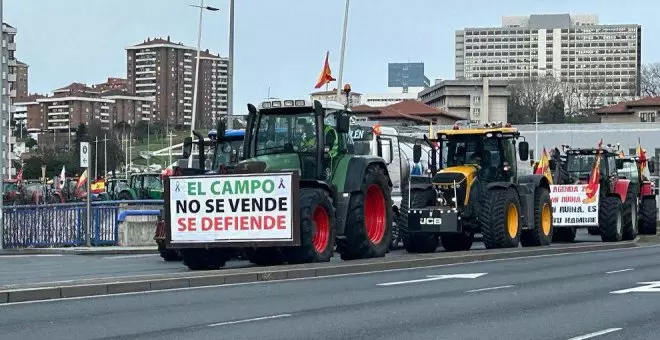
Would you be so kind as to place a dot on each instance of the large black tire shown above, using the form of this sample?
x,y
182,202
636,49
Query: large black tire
x,y
203,259
317,228
564,234
610,219
396,234
648,217
593,231
417,242
457,242
543,230
267,256
125,196
168,254
369,220
500,218
630,217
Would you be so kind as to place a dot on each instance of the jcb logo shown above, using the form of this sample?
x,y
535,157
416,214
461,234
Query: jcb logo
x,y
430,220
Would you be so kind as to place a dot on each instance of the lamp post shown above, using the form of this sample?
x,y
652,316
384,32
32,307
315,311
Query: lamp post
x,y
2,146
230,68
197,62
343,50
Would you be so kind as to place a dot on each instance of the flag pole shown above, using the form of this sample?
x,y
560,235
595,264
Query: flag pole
x,y
343,50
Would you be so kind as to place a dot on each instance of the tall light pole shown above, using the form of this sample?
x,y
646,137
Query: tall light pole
x,y
343,50
105,155
230,68
197,62
2,146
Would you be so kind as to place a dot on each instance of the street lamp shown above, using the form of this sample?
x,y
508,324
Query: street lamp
x,y
197,62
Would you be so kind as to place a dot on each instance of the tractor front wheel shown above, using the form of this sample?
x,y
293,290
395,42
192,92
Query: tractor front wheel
x,y
543,230
168,254
317,228
630,219
369,220
648,217
204,259
500,218
610,219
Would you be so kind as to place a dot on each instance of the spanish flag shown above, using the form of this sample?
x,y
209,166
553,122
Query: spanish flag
x,y
98,186
543,168
82,179
641,153
594,179
326,74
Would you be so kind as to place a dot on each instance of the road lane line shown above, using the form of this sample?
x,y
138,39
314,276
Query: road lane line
x,y
620,271
325,277
29,255
487,289
595,334
249,320
408,281
128,256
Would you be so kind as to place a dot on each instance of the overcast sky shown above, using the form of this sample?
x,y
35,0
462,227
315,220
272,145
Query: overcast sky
x,y
280,44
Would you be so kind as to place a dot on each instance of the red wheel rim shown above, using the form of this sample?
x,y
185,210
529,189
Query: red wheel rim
x,y
374,214
322,231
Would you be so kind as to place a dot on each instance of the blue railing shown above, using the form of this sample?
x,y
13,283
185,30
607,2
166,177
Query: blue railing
x,y
62,225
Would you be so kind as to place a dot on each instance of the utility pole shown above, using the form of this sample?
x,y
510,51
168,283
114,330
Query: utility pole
x,y
105,155
2,146
230,69
130,149
196,85
343,51
96,157
148,145
124,144
170,150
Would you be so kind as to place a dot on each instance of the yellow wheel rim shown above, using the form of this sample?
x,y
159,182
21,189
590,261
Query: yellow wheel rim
x,y
546,219
512,220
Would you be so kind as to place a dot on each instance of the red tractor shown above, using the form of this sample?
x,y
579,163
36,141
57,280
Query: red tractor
x,y
643,191
618,206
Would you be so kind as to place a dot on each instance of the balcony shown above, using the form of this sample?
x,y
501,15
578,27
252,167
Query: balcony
x,y
11,77
11,46
12,93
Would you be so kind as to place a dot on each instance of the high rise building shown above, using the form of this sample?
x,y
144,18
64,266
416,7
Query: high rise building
x,y
166,71
21,83
407,75
600,63
8,66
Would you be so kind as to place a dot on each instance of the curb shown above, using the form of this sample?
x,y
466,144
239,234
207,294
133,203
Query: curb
x,y
77,251
156,282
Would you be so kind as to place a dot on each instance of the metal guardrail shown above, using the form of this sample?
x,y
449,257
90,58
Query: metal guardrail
x,y
62,225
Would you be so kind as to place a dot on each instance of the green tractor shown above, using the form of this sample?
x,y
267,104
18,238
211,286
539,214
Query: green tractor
x,y
142,186
335,198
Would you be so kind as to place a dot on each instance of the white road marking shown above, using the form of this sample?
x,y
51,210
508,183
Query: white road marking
x,y
434,278
595,334
312,278
489,288
128,256
29,255
249,320
620,271
648,287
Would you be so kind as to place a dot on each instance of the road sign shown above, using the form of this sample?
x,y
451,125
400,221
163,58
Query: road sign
x,y
84,155
435,278
648,287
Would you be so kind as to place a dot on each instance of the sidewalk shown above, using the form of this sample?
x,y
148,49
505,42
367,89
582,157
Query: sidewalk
x,y
113,250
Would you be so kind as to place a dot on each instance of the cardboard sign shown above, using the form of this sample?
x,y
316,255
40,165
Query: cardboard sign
x,y
572,208
231,208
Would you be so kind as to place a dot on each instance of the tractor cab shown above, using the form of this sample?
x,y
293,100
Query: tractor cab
x,y
143,186
580,164
228,149
296,134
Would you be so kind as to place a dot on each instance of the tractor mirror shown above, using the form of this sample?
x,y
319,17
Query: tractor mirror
x,y
343,124
251,109
187,147
417,153
651,164
523,150
318,108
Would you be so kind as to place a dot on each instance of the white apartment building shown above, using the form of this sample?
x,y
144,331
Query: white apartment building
x,y
600,63
8,66
166,71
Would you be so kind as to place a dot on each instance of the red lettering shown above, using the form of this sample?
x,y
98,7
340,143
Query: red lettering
x,y
242,221
228,222
217,223
191,224
255,222
182,225
269,222
207,224
281,222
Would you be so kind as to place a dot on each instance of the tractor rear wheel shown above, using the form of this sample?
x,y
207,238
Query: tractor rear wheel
x,y
610,219
267,256
649,216
457,242
593,231
369,220
500,218
543,230
317,228
630,218
168,254
564,234
416,242
204,259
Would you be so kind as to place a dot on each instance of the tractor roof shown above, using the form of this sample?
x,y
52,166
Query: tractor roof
x,y
498,128
283,105
589,151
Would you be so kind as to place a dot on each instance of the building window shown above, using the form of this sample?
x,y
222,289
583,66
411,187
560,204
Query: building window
x,y
476,112
476,100
647,116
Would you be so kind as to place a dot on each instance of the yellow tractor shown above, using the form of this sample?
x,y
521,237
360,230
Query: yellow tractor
x,y
473,186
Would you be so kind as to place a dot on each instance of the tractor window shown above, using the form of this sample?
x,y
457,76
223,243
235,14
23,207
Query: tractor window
x,y
630,171
510,154
7,187
227,153
152,182
580,164
471,151
611,165
286,133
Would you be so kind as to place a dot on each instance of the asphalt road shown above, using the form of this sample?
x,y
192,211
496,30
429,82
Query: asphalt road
x,y
22,269
548,297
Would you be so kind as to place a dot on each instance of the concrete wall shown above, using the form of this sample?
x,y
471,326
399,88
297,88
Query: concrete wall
x,y
137,231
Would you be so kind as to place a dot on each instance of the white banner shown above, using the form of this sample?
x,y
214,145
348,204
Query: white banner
x,y
231,208
572,207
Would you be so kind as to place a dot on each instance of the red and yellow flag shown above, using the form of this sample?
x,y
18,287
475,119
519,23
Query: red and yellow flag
x,y
326,74
82,179
594,179
543,167
641,153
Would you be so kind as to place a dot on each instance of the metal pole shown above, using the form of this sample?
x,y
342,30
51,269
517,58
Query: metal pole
x,y
2,146
124,143
343,50
96,157
230,69
536,136
196,85
88,234
170,151
105,155
130,149
148,146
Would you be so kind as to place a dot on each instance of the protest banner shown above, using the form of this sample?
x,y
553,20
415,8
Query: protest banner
x,y
572,208
231,208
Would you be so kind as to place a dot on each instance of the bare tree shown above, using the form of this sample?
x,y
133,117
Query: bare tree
x,y
530,95
650,80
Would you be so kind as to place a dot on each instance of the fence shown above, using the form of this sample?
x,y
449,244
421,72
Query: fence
x,y
62,225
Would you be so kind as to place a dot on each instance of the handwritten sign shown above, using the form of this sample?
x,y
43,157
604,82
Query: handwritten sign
x,y
571,207
231,208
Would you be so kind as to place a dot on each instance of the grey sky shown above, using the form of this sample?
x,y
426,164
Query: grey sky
x,y
279,43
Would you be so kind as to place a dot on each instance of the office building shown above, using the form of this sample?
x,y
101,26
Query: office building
x,y
8,66
599,63
21,84
406,76
165,70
